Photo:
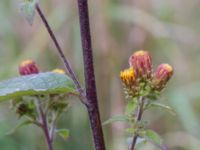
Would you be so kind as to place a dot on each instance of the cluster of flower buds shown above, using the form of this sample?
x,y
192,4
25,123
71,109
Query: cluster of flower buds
x,y
140,74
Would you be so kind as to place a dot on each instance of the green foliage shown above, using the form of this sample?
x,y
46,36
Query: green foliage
x,y
130,131
153,104
39,98
25,109
145,88
131,106
37,84
115,118
64,133
20,125
28,9
152,136
58,103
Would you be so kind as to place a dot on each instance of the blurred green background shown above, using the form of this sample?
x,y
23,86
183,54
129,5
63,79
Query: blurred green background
x,y
169,30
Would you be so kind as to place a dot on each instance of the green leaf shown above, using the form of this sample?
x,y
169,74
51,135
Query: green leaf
x,y
37,84
114,119
130,130
161,106
27,122
64,133
153,137
28,9
153,95
131,106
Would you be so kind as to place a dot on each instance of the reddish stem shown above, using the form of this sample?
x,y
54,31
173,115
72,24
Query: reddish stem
x,y
91,93
139,117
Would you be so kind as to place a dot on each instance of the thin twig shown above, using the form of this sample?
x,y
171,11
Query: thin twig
x,y
53,126
91,94
139,117
44,125
61,53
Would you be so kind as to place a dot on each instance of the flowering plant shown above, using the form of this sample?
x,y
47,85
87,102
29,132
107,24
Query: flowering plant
x,y
41,97
142,88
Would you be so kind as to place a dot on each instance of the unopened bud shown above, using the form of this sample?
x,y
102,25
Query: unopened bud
x,y
28,67
162,75
129,81
60,71
128,77
141,61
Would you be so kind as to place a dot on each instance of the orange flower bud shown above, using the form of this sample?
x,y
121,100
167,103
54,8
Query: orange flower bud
x,y
129,80
128,77
162,75
28,67
141,61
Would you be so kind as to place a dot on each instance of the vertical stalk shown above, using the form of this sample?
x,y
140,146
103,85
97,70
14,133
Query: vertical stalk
x,y
139,117
44,126
91,94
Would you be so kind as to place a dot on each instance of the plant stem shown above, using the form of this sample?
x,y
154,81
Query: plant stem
x,y
91,94
90,99
61,53
139,117
53,126
44,126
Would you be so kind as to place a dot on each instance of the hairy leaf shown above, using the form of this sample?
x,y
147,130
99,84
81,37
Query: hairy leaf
x,y
64,133
130,131
114,119
27,122
28,9
37,84
131,106
161,106
153,137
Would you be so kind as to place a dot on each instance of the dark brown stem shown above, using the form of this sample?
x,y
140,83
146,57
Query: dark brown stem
x,y
91,94
139,117
61,53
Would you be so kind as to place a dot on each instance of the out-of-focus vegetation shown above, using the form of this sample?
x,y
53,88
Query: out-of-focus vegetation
x,y
169,30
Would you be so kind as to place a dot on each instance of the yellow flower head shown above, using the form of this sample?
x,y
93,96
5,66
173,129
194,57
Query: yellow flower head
x,y
128,76
60,71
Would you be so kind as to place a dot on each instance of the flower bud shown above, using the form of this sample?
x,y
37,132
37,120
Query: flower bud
x,y
28,67
162,75
128,77
130,83
60,71
141,61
